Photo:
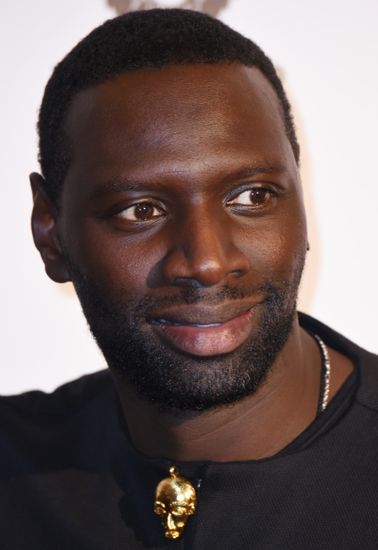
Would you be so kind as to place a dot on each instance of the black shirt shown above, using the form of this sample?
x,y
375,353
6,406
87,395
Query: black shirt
x,y
70,478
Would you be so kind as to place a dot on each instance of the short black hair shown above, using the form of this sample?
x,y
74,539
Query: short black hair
x,y
140,40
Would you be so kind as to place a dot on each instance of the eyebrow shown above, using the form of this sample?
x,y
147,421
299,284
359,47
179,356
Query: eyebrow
x,y
124,184
256,170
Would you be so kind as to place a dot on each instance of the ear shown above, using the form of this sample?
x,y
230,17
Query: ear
x,y
45,231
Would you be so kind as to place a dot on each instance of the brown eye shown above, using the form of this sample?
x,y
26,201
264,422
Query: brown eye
x,y
259,197
255,198
141,212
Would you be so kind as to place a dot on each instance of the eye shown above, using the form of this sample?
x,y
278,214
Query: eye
x,y
178,510
159,508
143,211
254,198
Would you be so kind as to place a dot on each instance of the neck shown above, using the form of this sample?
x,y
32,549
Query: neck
x,y
284,405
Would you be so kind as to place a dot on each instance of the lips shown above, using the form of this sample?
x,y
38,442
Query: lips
x,y
204,331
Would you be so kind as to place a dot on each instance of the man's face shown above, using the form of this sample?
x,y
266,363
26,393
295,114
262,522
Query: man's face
x,y
183,227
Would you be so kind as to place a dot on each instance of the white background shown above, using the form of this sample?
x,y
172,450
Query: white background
x,y
327,53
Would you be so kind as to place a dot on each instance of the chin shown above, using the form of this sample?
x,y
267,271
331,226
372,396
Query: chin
x,y
182,382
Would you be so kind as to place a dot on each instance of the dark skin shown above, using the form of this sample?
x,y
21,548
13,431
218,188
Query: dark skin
x,y
196,139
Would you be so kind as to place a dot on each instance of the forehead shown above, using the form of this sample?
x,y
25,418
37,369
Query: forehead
x,y
176,114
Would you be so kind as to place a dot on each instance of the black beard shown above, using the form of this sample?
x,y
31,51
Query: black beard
x,y
174,380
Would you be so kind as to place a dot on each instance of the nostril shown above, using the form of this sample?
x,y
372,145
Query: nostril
x,y
237,273
201,264
189,282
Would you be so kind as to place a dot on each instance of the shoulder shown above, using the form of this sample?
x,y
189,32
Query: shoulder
x,y
365,362
45,431
67,399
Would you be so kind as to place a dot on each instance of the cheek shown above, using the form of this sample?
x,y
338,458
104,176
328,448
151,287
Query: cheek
x,y
276,246
117,262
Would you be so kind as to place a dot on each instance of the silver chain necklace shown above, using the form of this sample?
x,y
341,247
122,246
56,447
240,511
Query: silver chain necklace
x,y
326,367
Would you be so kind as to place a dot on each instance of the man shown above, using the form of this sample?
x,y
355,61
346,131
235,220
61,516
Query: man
x,y
171,197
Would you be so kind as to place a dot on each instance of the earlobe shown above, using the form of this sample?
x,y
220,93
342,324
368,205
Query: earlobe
x,y
44,224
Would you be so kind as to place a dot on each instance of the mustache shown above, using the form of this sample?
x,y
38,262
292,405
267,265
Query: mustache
x,y
94,300
191,296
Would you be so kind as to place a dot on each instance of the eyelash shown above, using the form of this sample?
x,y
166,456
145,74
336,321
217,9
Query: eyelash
x,y
268,192
231,203
146,204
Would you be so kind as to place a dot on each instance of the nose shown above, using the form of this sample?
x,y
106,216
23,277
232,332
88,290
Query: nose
x,y
170,522
203,251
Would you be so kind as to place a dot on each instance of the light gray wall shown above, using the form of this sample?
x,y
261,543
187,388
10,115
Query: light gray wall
x,y
326,53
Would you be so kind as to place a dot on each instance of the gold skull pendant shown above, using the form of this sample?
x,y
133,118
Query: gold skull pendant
x,y
175,501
